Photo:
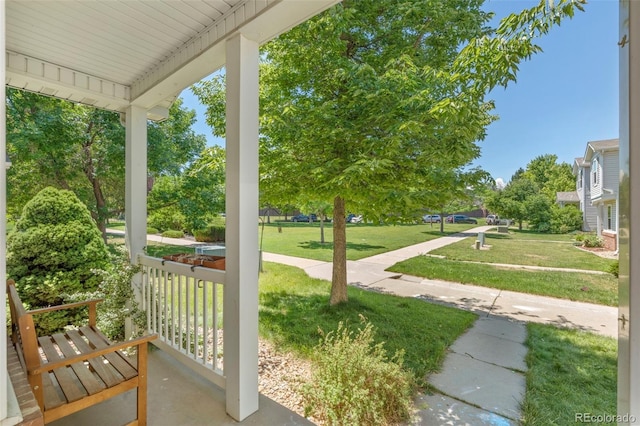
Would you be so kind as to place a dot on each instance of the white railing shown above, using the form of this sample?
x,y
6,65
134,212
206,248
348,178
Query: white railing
x,y
183,304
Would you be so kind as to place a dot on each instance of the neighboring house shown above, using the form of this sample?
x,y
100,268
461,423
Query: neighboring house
x,y
597,182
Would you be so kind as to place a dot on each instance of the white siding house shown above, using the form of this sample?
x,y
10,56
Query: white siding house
x,y
603,179
582,170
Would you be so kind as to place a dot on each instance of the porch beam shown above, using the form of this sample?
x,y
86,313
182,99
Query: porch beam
x,y
36,75
629,228
241,288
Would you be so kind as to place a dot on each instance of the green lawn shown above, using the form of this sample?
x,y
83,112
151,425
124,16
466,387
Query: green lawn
x,y
600,289
116,224
543,250
363,240
569,372
293,307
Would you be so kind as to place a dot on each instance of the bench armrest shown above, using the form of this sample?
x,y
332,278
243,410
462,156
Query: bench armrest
x,y
50,366
65,306
91,303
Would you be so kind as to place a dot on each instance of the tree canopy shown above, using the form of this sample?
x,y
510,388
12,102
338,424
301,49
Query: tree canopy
x,y
58,143
370,103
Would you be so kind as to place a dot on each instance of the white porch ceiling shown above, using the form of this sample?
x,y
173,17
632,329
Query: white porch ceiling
x,y
110,54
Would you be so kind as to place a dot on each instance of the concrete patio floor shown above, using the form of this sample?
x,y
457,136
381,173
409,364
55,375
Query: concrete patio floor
x,y
178,396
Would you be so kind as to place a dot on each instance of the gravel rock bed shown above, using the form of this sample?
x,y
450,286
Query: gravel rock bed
x,y
281,375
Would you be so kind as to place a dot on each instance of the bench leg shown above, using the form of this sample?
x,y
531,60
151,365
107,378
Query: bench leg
x,y
142,384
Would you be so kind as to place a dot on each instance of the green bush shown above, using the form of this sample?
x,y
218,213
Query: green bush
x,y
355,384
614,269
212,234
592,240
565,219
172,233
117,294
166,218
151,230
52,253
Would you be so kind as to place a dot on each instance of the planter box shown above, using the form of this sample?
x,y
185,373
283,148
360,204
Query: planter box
x,y
205,260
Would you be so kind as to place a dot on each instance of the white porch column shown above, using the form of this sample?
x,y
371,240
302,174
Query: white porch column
x,y
136,180
629,224
3,224
241,288
135,201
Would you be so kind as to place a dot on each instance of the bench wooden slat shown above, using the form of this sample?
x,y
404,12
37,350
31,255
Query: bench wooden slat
x,y
132,361
107,373
52,398
117,359
68,381
86,377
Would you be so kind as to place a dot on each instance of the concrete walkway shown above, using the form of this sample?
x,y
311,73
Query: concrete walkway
x,y
482,380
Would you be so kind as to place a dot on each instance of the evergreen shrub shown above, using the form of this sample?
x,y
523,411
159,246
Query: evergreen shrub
x,y
53,252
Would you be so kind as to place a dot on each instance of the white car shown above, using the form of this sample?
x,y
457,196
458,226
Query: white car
x,y
431,218
356,219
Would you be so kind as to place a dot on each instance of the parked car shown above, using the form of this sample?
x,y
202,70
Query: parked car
x,y
460,218
493,219
300,218
431,218
354,218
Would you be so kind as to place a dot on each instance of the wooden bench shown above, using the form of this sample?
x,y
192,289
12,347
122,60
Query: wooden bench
x,y
77,368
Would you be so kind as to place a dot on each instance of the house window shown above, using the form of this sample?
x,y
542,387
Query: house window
x,y
594,172
609,217
580,177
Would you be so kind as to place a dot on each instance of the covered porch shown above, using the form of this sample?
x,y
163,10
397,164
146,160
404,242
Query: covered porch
x,y
135,58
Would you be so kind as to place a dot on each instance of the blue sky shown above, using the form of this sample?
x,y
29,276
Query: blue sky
x,y
564,97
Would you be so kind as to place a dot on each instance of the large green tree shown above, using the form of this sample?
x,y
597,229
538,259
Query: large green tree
x,y
369,103
57,143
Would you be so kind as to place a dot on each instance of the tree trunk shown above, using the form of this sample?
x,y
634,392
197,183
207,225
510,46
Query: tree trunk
x,y
89,171
339,278
321,229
